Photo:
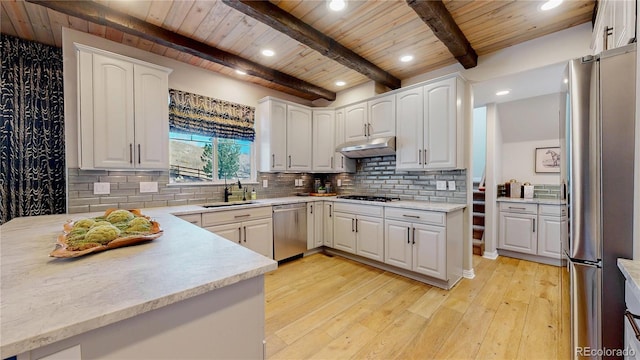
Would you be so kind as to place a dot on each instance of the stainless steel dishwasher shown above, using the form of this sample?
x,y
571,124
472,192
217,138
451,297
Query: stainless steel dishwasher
x,y
289,230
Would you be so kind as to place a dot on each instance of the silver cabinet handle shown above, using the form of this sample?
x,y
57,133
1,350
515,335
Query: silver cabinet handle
x,y
289,160
130,153
534,225
356,225
239,235
608,30
352,221
273,160
241,216
369,129
330,211
419,156
408,231
414,235
342,160
631,316
425,156
332,162
516,208
139,154
411,216
245,234
365,130
311,206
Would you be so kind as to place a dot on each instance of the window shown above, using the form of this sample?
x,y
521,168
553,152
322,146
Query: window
x,y
201,159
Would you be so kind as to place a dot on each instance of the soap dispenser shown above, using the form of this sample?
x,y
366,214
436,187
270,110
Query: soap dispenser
x,y
253,194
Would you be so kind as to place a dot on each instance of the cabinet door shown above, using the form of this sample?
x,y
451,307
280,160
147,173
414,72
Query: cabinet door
x,y
151,118
299,138
370,237
113,113
550,235
328,224
440,128
314,225
518,233
272,120
355,122
409,134
231,232
323,140
397,247
430,250
344,236
381,116
257,235
341,163
623,21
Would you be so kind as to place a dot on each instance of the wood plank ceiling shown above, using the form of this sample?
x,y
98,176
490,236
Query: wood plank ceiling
x,y
379,31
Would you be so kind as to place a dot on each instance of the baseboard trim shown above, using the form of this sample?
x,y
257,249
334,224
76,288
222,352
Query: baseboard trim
x,y
468,274
490,255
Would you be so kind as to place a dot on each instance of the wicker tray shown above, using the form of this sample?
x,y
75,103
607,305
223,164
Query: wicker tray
x,y
61,250
325,194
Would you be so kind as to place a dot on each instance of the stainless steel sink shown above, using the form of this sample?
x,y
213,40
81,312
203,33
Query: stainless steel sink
x,y
230,203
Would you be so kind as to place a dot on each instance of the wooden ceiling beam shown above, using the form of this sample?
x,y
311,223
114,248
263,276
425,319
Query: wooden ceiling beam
x,y
282,21
438,18
102,15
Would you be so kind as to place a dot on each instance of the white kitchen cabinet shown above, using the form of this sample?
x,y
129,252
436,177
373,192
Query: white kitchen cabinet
x,y
299,138
341,163
428,137
381,113
370,119
250,227
359,229
518,232
315,224
324,133
285,136
328,224
122,121
412,242
527,228
615,25
195,219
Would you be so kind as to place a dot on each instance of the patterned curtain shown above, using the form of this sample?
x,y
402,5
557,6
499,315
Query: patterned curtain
x,y
32,169
196,114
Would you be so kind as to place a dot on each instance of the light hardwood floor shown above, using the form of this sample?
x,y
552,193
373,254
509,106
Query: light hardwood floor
x,y
323,307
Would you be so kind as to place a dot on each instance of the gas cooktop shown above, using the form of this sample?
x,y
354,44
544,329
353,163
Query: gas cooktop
x,y
368,198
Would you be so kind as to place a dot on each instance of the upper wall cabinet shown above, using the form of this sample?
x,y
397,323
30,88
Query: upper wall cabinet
x,y
324,122
285,136
370,119
615,25
123,112
341,163
429,133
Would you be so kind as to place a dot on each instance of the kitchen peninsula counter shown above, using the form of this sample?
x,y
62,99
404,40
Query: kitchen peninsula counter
x,y
45,300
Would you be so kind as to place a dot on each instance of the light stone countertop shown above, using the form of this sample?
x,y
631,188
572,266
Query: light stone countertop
x,y
417,205
44,300
631,271
532,201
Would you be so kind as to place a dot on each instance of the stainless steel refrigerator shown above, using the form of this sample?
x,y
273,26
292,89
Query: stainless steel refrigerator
x,y
597,149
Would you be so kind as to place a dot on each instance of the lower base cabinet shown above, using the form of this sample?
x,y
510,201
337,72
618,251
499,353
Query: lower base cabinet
x,y
328,224
252,228
359,229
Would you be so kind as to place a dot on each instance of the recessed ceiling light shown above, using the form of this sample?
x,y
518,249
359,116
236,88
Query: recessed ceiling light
x,y
341,83
337,5
268,52
240,72
550,5
406,58
502,92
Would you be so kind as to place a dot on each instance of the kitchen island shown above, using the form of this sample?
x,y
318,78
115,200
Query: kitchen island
x,y
187,294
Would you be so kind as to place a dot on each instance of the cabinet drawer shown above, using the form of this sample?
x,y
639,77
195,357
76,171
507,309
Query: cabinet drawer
x,y
416,216
519,208
195,219
553,210
227,216
368,210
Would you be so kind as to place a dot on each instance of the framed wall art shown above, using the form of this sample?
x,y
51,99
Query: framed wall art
x,y
547,160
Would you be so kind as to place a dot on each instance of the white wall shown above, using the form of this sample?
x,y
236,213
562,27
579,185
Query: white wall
x,y
518,162
184,77
479,142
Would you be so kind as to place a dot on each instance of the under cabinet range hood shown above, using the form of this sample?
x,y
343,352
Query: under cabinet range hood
x,y
369,148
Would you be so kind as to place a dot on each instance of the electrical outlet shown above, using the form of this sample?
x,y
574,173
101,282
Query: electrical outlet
x,y
452,185
339,182
301,182
149,187
101,188
441,185
265,183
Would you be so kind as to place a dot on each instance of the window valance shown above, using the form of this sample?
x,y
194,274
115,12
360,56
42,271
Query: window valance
x,y
193,113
